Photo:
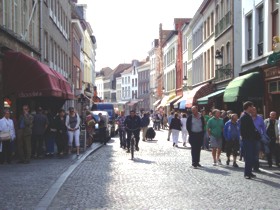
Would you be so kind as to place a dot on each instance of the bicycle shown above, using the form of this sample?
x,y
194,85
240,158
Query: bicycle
x,y
132,142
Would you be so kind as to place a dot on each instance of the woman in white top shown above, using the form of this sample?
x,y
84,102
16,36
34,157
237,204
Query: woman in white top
x,y
72,123
184,129
6,125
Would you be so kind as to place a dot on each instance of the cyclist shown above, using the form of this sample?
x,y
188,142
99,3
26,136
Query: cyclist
x,y
133,124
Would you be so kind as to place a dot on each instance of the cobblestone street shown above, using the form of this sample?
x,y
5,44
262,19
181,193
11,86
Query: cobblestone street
x,y
160,177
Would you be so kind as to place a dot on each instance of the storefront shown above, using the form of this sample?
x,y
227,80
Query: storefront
x,y
28,81
272,89
248,87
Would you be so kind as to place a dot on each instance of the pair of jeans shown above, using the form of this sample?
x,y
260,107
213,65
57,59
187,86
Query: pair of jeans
x,y
250,151
196,141
50,140
37,144
122,135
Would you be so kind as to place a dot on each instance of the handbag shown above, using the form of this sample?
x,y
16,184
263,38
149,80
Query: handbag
x,y
5,135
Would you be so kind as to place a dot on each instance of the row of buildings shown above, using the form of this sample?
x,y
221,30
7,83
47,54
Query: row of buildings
x,y
220,58
47,53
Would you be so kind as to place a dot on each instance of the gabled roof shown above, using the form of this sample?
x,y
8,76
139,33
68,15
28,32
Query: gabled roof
x,y
120,68
104,72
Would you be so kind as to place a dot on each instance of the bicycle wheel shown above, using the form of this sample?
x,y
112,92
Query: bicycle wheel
x,y
132,147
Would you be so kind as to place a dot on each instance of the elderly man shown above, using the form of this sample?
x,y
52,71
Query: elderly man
x,y
272,130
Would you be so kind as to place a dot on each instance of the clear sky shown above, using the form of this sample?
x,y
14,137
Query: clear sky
x,y
125,29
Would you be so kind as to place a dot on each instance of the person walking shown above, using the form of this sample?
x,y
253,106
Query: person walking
x,y
6,126
40,124
184,129
102,129
215,128
25,124
195,127
145,121
272,130
259,124
50,133
61,137
72,123
250,137
175,127
122,131
205,145
232,137
170,117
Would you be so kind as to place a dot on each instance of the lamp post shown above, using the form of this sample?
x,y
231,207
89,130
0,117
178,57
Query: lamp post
x,y
185,83
218,59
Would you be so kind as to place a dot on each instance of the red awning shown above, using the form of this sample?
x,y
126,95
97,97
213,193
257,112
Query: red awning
x,y
198,92
26,77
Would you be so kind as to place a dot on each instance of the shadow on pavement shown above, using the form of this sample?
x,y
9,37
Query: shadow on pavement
x,y
139,160
215,171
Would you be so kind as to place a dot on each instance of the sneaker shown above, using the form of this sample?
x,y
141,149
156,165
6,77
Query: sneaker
x,y
173,144
199,165
220,162
137,148
184,144
128,151
235,165
215,164
228,162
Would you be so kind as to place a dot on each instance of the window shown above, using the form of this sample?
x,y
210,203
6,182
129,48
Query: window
x,y
78,78
275,17
132,82
250,37
45,46
16,17
135,82
212,22
228,53
261,20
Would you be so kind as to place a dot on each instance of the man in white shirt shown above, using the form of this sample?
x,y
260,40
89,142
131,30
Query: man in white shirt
x,y
6,125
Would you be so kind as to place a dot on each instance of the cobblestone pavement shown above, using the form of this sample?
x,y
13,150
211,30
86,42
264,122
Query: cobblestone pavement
x,y
22,186
160,177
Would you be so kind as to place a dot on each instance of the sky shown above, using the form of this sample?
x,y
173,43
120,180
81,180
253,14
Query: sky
x,y
125,29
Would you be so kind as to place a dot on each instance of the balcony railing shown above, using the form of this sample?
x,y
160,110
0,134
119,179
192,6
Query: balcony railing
x,y
223,73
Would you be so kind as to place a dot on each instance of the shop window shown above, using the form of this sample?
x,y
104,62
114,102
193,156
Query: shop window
x,y
273,86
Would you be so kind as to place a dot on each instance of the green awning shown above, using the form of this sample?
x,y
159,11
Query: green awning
x,y
204,100
244,87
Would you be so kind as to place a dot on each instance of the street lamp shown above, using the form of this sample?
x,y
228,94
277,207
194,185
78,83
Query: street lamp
x,y
218,59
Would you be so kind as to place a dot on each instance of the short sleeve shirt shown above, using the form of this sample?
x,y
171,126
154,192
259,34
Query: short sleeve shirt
x,y
216,126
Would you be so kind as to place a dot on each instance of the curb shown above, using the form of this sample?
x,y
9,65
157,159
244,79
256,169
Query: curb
x,y
53,190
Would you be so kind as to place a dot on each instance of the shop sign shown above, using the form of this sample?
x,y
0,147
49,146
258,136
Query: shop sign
x,y
30,94
275,72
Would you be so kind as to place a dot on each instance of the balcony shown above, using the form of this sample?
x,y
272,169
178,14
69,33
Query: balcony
x,y
223,73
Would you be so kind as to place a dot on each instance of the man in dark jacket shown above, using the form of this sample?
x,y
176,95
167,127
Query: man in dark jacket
x,y
250,137
195,127
133,124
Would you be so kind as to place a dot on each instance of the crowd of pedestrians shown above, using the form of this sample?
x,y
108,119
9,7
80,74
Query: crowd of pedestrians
x,y
247,135
39,134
